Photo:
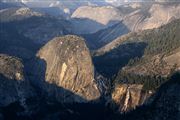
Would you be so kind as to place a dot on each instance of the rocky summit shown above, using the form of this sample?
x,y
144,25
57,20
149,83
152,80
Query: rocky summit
x,y
14,86
123,65
67,64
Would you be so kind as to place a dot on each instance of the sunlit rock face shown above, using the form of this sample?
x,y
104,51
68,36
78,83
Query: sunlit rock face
x,y
11,67
102,15
132,17
128,97
14,86
68,66
90,19
151,16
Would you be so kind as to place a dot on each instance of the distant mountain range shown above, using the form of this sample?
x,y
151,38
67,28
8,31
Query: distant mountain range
x,y
56,7
67,7
89,60
126,18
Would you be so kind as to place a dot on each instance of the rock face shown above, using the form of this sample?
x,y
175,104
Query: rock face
x,y
13,85
151,72
128,97
95,18
103,15
151,15
132,19
68,66
164,104
11,68
158,61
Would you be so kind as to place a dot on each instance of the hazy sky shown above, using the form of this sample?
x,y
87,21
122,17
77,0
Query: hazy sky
x,y
46,3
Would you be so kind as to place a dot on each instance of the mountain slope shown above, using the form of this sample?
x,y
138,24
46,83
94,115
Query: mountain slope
x,y
23,24
164,105
146,36
60,63
17,13
133,19
14,84
104,16
139,44
105,36
160,59
56,8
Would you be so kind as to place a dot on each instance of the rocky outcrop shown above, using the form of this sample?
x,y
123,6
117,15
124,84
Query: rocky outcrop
x,y
164,104
14,86
127,97
67,65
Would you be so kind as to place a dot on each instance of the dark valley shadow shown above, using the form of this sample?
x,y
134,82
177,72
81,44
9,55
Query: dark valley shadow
x,y
45,103
85,25
163,104
110,63
16,44
51,101
104,36
13,34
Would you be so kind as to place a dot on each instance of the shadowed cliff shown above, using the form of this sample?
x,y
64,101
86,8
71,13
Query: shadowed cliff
x,y
110,63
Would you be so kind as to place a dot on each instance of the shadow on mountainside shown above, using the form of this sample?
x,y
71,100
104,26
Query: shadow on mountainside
x,y
104,36
40,106
163,104
111,62
39,29
14,42
36,71
45,105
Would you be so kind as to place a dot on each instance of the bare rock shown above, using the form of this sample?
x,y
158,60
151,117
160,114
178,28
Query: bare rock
x,y
69,71
128,97
11,67
14,86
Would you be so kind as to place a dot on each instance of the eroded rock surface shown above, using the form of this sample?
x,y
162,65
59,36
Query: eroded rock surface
x,y
14,86
68,66
128,97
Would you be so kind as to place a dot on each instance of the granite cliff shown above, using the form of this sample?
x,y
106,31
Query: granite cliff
x,y
66,63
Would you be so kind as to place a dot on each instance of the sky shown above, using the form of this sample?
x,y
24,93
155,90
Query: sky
x,y
52,3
